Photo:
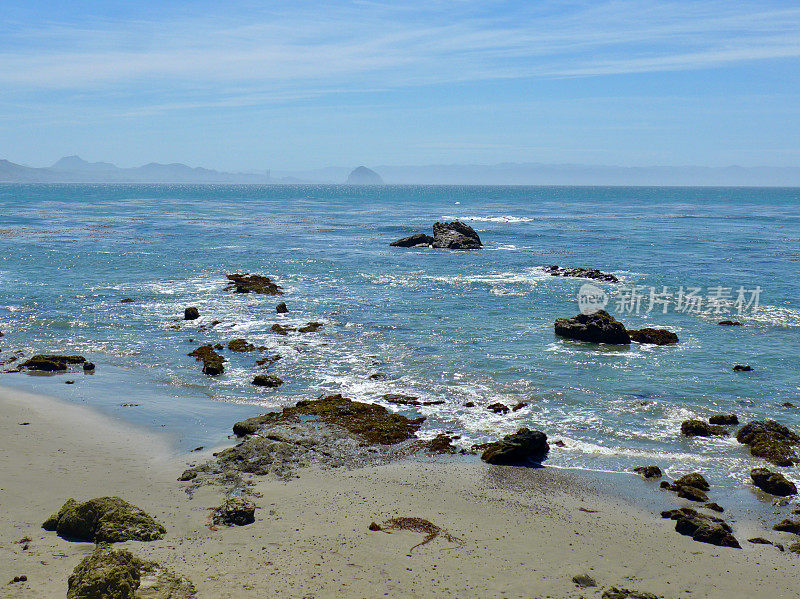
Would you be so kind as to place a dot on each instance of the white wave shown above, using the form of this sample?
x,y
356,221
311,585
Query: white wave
x,y
492,219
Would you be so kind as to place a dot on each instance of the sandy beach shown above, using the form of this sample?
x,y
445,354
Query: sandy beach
x,y
524,532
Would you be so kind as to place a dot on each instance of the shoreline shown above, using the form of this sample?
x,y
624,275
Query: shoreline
x,y
525,531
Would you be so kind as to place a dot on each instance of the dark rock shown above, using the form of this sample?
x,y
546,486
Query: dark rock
x,y
794,548
191,313
519,406
653,336
441,443
787,404
525,447
498,408
212,361
240,345
788,526
583,273
104,520
51,362
269,360
377,376
127,300
664,484
188,474
714,507
69,382
759,541
88,366
774,483
770,440
742,368
584,581
414,241
469,404
236,511
246,283
690,493
617,593
281,308
281,330
455,236
311,327
648,471
701,527
409,400
599,327
558,443
779,547
724,419
729,323
267,380
698,428
695,479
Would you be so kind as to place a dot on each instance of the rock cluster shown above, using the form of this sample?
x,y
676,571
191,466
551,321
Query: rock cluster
x,y
699,428
770,440
690,486
51,362
104,520
247,283
702,528
213,363
583,273
523,448
454,236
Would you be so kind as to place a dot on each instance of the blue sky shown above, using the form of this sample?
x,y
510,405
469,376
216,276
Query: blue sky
x,y
284,85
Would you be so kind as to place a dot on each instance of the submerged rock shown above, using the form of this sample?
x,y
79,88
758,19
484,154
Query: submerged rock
x,y
418,240
653,336
770,440
698,428
267,380
774,483
409,400
498,408
281,329
119,574
51,362
648,471
702,528
599,327
583,273
236,511
311,327
213,363
104,520
246,283
729,323
455,236
525,447
240,345
191,313
724,419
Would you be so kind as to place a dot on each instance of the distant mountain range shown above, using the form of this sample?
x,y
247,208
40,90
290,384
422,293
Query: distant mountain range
x,y
72,169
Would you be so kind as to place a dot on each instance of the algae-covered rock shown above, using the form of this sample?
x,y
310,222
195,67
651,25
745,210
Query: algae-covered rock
x,y
774,483
109,574
240,345
281,329
702,528
788,525
104,520
648,471
770,440
311,327
525,447
653,336
213,363
724,419
267,380
246,283
599,327
695,479
51,362
236,511
698,428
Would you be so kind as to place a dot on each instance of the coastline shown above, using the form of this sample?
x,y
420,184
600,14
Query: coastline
x,y
525,532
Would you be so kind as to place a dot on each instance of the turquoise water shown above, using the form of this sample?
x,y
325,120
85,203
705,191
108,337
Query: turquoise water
x,y
459,327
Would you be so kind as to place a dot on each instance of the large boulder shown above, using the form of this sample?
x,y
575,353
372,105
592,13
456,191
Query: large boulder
x,y
525,447
770,440
213,363
724,419
104,520
191,313
599,327
418,240
702,528
773,483
455,236
653,336
648,471
267,380
236,511
51,362
699,428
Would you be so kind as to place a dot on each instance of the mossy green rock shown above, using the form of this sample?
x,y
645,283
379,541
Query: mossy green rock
x,y
770,440
213,363
246,283
104,520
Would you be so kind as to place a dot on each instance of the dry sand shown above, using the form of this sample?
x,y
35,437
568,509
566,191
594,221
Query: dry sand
x,y
524,533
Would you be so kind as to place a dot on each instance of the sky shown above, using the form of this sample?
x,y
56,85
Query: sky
x,y
251,86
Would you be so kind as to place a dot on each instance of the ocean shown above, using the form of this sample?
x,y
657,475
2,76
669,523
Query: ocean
x,y
471,327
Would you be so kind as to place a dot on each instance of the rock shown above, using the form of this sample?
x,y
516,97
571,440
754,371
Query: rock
x,y
583,273
236,511
724,419
794,548
364,176
787,404
240,345
695,479
441,443
280,329
267,380
664,485
742,368
770,440
599,327
418,240
109,574
788,525
774,483
759,541
246,283
648,471
653,336
104,520
127,300
191,313
469,404
188,474
729,323
617,593
51,362
455,236
311,327
701,527
212,361
377,376
584,581
690,493
498,408
409,400
88,367
714,507
525,447
519,405
698,428
281,308
269,360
